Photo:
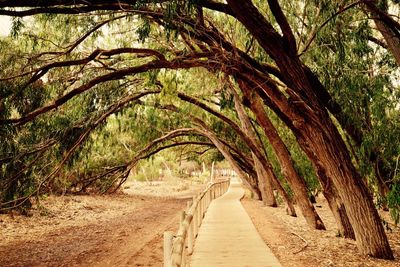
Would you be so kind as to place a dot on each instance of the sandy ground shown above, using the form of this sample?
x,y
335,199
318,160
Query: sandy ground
x,y
174,188
296,245
116,230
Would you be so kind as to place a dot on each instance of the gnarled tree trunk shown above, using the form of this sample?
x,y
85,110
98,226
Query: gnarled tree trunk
x,y
336,205
265,184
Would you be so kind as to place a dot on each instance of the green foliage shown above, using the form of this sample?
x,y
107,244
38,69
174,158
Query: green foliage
x,y
17,25
155,169
393,200
143,31
359,75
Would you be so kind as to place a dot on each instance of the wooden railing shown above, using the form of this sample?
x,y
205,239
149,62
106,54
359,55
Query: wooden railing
x,y
178,247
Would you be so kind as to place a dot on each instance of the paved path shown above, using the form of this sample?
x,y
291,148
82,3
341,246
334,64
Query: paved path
x,y
227,236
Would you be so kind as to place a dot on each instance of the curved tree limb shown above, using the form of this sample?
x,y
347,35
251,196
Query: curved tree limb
x,y
113,109
40,72
179,62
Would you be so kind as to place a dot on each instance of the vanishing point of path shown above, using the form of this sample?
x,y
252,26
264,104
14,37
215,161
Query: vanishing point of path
x,y
227,236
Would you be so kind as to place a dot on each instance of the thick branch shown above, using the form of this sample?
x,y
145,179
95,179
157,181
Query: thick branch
x,y
283,24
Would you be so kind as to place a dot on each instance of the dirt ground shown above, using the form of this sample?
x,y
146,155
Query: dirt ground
x,y
295,245
127,230
116,230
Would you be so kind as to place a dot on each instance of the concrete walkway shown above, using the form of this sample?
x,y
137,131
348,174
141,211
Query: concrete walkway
x,y
227,236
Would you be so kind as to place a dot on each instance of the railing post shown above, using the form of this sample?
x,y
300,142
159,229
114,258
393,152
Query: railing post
x,y
199,218
194,220
203,206
198,211
212,172
208,198
192,225
168,236
182,218
183,262
190,238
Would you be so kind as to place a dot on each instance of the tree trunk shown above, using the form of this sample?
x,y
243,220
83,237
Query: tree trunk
x,y
336,206
334,159
264,178
290,210
323,145
265,184
335,203
296,182
212,172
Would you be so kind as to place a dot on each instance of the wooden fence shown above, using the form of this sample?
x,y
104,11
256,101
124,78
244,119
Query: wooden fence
x,y
178,247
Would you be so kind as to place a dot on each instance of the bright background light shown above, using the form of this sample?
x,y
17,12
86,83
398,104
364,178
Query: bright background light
x,y
5,25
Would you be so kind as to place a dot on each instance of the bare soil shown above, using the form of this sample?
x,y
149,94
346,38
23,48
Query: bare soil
x,y
296,245
114,230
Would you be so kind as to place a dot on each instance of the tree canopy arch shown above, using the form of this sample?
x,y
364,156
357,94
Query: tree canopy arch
x,y
269,51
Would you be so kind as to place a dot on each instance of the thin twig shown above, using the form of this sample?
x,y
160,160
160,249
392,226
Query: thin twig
x,y
305,241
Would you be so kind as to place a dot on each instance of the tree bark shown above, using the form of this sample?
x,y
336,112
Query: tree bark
x,y
323,145
339,213
288,170
275,181
265,184
336,205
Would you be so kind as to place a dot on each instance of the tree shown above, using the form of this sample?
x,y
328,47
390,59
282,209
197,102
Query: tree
x,y
268,65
